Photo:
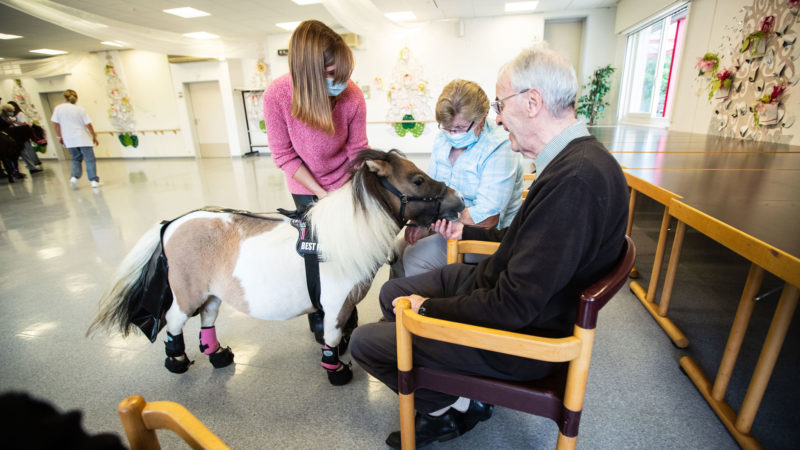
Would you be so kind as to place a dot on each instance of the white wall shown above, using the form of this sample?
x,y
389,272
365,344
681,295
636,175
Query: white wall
x,y
147,80
713,26
474,49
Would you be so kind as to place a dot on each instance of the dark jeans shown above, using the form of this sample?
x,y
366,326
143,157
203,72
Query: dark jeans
x,y
374,345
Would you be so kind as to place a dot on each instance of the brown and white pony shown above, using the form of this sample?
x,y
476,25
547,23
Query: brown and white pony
x,y
251,262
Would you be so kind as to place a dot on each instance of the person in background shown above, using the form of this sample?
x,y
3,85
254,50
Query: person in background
x,y
28,155
316,118
474,157
568,232
75,132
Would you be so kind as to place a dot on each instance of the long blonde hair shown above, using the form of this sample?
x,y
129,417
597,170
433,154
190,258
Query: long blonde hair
x,y
71,96
313,47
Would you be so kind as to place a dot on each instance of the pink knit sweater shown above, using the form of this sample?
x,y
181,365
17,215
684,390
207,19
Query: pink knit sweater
x,y
293,143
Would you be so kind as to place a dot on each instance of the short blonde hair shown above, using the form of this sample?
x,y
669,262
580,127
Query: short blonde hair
x,y
313,47
461,98
71,96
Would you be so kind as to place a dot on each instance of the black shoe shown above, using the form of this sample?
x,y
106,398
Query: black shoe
x,y
429,429
477,412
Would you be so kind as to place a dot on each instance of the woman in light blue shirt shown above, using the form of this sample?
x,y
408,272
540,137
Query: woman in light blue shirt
x,y
474,157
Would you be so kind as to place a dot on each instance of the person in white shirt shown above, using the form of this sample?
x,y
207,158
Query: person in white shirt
x,y
75,132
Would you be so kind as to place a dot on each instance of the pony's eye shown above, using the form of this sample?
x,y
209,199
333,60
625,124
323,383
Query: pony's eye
x,y
418,181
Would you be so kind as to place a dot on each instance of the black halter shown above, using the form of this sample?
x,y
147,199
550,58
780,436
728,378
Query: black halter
x,y
404,199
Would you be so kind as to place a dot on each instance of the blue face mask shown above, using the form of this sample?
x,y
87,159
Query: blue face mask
x,y
335,89
461,140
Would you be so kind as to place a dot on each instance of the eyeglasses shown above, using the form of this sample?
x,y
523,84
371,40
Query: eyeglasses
x,y
497,105
457,129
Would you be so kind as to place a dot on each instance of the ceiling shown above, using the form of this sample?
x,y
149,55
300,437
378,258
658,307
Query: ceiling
x,y
238,20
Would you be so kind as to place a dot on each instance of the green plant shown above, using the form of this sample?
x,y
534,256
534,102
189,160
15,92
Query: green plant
x,y
592,104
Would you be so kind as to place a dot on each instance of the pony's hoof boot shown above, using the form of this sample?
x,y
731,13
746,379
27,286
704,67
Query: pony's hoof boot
x,y
340,377
221,358
176,365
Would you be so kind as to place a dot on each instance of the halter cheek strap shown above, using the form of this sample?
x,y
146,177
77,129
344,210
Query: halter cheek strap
x,y
404,199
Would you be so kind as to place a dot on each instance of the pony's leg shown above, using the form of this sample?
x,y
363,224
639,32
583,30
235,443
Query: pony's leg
x,y
338,373
209,345
177,361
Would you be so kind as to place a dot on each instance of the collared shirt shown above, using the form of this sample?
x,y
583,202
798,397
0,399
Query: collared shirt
x,y
488,174
554,147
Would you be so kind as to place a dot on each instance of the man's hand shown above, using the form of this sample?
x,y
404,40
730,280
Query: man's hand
x,y
415,299
414,234
450,230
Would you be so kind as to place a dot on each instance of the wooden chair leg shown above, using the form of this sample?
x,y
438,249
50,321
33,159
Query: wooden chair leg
x,y
407,431
566,443
130,413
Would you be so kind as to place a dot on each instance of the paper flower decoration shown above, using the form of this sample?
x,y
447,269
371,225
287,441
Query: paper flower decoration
x,y
766,110
707,64
721,85
756,41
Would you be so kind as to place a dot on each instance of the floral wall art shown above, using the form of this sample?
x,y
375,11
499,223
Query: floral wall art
x,y
753,70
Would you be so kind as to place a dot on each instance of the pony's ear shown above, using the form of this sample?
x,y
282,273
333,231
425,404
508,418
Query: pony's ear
x,y
381,168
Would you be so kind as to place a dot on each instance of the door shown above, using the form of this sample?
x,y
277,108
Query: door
x,y
208,120
49,102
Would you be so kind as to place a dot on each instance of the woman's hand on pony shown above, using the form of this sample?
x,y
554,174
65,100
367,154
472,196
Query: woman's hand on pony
x,y
448,229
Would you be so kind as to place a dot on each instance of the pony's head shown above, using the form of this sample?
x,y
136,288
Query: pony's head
x,y
404,191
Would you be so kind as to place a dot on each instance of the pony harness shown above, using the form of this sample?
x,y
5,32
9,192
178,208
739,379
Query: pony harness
x,y
308,248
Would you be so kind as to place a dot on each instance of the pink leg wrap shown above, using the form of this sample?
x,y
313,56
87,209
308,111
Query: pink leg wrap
x,y
329,356
208,340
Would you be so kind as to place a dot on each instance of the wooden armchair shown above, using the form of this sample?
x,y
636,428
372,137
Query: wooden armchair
x,y
558,396
140,420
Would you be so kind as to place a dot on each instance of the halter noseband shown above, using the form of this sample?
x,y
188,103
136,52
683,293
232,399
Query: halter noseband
x,y
404,199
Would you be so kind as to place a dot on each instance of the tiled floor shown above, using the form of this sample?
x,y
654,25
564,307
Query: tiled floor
x,y
59,247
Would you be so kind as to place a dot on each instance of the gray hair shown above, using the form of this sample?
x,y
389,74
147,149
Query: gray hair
x,y
549,73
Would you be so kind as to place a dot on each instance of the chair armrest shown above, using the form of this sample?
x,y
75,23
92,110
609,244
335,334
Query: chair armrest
x,y
174,417
456,248
501,341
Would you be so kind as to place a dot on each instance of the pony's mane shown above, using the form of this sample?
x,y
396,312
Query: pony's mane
x,y
368,240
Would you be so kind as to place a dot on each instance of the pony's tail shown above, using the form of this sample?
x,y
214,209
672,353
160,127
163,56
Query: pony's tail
x,y
119,302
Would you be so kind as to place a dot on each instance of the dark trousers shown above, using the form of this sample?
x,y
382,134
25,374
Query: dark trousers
x,y
374,345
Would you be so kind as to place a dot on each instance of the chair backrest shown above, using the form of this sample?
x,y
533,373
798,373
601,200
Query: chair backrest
x,y
593,298
140,420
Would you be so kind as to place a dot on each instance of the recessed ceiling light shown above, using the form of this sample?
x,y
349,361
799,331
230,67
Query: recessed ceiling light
x,y
114,43
47,51
289,26
201,35
186,12
401,16
521,6
307,2
9,36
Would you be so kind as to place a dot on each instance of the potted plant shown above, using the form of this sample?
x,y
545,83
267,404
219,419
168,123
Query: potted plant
x,y
707,64
721,85
592,104
766,110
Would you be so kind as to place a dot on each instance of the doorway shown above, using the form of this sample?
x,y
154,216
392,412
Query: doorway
x,y
208,119
49,102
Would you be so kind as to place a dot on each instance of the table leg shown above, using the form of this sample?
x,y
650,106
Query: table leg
x,y
629,228
740,322
766,360
659,312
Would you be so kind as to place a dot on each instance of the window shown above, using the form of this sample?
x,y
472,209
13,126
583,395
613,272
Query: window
x,y
651,55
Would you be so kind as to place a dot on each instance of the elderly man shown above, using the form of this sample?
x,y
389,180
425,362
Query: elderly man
x,y
568,232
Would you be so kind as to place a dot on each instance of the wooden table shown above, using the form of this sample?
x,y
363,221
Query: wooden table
x,y
753,212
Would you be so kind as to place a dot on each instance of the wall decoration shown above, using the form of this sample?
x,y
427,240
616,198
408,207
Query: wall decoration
x,y
409,96
708,63
766,110
721,83
262,76
758,50
22,98
120,111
